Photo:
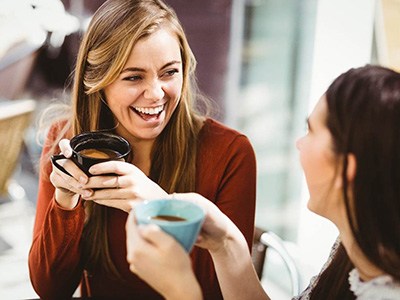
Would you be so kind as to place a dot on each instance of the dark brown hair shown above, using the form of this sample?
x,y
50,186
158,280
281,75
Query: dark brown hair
x,y
364,119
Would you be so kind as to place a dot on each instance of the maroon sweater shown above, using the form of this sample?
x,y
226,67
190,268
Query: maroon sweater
x,y
226,175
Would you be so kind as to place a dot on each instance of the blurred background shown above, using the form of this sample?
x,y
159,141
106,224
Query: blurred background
x,y
264,63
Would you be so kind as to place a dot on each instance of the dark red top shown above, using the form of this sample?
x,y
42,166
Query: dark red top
x,y
226,175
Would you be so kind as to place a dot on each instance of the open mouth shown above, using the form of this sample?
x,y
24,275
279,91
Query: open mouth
x,y
148,113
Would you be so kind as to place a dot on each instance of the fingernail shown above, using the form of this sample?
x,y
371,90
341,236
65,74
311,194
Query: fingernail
x,y
87,193
68,152
83,179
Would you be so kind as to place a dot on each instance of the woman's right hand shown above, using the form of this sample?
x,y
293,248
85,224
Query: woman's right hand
x,y
68,188
217,229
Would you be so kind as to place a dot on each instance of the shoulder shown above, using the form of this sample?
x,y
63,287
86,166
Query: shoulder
x,y
314,280
213,127
57,131
216,136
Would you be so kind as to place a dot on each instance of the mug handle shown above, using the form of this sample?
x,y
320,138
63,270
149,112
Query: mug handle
x,y
54,159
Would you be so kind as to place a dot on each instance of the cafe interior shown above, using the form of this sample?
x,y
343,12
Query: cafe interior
x,y
264,64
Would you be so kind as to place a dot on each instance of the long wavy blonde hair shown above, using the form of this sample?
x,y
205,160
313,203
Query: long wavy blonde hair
x,y
113,31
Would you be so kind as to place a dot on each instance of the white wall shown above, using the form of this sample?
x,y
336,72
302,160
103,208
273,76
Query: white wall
x,y
343,39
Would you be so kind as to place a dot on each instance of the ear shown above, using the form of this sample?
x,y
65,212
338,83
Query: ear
x,y
350,172
351,167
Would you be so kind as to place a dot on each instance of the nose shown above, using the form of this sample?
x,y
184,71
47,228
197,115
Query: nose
x,y
298,143
154,91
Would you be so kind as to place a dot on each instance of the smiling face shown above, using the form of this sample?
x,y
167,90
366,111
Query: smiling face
x,y
319,163
147,91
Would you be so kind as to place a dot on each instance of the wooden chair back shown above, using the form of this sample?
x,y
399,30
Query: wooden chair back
x,y
15,117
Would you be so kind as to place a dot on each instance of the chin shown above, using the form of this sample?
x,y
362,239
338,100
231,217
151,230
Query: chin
x,y
311,207
150,134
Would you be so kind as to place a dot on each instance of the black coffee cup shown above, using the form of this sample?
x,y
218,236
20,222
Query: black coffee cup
x,y
94,147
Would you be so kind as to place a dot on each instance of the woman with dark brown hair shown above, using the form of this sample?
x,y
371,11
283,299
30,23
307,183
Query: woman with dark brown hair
x,y
351,161
135,78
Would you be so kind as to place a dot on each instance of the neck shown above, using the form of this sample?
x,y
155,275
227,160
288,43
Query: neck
x,y
365,267
141,150
141,155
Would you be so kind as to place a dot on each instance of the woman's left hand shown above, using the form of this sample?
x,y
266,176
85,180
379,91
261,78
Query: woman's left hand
x,y
128,184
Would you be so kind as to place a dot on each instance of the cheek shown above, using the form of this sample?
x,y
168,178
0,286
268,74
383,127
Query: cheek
x,y
176,88
316,162
120,95
319,172
112,97
174,93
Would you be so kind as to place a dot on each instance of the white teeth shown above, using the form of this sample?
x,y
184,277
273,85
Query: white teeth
x,y
149,110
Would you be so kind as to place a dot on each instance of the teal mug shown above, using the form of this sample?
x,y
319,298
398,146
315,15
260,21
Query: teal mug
x,y
181,219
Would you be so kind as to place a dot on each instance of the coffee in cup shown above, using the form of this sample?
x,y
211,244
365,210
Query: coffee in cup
x,y
168,218
99,153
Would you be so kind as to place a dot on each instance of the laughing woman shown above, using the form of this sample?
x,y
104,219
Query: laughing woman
x,y
135,77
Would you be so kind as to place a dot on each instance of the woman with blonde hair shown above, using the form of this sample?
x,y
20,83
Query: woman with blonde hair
x,y
134,77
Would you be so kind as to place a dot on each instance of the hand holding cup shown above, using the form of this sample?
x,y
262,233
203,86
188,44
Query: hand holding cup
x,y
79,154
181,219
91,148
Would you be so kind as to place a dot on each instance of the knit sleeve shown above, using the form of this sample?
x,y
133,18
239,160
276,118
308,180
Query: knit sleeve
x,y
236,195
54,260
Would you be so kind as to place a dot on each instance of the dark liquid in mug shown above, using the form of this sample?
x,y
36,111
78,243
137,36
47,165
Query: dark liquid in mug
x,y
168,218
99,153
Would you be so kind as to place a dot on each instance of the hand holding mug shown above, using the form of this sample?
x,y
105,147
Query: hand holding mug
x,y
157,258
217,227
90,148
70,169
127,184
92,166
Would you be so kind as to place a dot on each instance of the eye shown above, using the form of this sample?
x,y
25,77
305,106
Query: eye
x,y
171,72
132,78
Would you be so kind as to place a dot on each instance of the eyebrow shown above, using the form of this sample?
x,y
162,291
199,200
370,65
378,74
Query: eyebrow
x,y
135,69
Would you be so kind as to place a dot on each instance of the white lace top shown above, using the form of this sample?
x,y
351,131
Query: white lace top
x,y
380,288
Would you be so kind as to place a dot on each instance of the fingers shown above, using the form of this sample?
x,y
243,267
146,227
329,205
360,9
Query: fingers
x,y
148,241
72,184
140,242
154,235
128,183
109,194
108,181
114,167
66,182
65,147
131,235
70,167
149,234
